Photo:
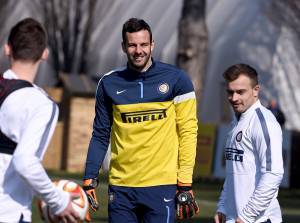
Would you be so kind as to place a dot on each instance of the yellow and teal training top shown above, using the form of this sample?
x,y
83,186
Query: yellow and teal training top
x,y
150,120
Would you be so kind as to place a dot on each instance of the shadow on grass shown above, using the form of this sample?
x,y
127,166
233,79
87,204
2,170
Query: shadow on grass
x,y
197,220
100,219
291,218
286,219
289,198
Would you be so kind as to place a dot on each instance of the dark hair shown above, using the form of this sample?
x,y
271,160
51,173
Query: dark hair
x,y
133,25
234,71
27,40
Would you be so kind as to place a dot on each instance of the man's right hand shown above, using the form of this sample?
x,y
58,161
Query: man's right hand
x,y
68,215
89,186
220,217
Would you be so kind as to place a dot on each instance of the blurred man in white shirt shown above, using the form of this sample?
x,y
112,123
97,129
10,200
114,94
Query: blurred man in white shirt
x,y
27,121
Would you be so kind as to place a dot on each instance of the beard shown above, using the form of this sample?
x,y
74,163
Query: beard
x,y
139,64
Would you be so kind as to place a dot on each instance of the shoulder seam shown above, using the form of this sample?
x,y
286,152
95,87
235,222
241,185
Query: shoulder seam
x,y
109,73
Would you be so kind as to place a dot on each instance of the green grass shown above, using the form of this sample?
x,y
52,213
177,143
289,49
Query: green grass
x,y
207,193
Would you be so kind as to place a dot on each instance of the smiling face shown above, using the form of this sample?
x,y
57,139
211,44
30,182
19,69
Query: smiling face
x,y
242,93
138,48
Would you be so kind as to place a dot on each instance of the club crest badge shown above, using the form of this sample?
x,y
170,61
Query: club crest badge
x,y
163,88
239,136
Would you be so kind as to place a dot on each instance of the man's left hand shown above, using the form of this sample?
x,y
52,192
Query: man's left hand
x,y
186,205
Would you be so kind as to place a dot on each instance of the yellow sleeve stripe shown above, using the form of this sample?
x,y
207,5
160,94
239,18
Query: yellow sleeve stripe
x,y
184,97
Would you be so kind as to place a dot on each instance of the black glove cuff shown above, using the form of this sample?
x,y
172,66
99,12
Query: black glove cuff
x,y
91,183
184,188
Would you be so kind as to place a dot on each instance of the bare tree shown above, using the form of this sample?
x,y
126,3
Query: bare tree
x,y
68,24
286,13
193,42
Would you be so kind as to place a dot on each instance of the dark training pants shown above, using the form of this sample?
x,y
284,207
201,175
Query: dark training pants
x,y
141,204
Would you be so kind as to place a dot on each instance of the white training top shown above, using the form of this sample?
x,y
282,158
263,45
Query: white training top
x,y
254,167
27,117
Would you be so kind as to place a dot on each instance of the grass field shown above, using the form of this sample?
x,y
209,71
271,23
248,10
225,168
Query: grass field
x,y
207,193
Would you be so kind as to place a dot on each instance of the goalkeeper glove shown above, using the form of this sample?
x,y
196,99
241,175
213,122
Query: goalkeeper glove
x,y
186,205
89,186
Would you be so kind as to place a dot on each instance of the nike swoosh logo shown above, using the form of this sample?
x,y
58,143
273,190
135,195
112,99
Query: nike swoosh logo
x,y
167,200
120,92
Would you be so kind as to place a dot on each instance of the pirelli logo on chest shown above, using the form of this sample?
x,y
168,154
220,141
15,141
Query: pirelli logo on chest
x,y
234,154
143,116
